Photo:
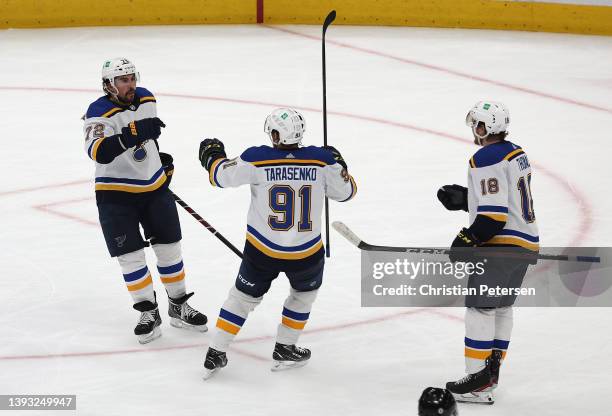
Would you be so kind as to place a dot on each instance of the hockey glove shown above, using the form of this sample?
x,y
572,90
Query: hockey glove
x,y
453,197
168,165
139,131
211,150
337,156
462,245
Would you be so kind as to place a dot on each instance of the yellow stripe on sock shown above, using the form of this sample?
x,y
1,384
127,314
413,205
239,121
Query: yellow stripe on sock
x,y
293,324
477,354
227,327
173,279
146,282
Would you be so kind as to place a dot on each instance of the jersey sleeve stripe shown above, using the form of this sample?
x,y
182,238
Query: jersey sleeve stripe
x,y
147,99
353,190
95,147
212,174
472,163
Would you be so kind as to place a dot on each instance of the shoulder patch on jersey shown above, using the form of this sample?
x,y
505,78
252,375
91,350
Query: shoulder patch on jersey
x,y
102,107
144,95
495,153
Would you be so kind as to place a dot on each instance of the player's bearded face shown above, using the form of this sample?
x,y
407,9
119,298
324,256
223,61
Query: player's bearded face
x,y
126,88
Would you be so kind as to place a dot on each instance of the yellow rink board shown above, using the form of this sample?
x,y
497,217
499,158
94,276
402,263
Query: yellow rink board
x,y
480,14
61,13
471,14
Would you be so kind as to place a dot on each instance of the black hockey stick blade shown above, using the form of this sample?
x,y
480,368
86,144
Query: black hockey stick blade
x,y
347,233
329,20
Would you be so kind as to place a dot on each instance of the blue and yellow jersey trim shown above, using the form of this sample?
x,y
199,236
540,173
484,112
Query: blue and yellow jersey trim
x,y
212,173
353,189
516,238
495,153
131,185
495,212
92,151
104,107
277,251
289,162
270,156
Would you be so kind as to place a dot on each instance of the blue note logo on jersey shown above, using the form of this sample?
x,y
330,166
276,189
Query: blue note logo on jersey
x,y
139,154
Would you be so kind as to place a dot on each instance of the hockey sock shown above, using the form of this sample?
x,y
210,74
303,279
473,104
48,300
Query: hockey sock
x,y
479,335
170,268
504,319
136,276
232,316
296,311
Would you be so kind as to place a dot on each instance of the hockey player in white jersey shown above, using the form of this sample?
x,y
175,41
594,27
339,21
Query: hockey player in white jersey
x,y
288,185
499,201
121,131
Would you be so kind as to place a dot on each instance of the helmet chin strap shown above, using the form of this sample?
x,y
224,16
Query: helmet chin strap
x,y
478,137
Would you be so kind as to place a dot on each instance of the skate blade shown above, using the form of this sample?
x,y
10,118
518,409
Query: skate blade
x,y
151,336
177,323
287,365
209,373
478,397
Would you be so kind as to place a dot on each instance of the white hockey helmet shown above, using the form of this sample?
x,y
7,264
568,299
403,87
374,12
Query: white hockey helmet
x,y
113,68
289,124
494,115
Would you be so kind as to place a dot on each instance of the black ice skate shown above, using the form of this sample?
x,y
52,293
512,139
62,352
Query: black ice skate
x,y
184,316
148,327
289,356
214,361
495,364
474,388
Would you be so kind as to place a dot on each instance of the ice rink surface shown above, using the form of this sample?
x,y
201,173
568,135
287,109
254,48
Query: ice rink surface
x,y
397,99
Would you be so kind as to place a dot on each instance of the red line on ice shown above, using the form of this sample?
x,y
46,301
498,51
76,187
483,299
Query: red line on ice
x,y
199,345
448,71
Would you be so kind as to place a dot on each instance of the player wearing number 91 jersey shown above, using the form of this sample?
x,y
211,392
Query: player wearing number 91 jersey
x,y
500,204
288,186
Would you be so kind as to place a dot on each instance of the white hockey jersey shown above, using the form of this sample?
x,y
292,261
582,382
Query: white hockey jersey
x,y
287,193
135,170
499,182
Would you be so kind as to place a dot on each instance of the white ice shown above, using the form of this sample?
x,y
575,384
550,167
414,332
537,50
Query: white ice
x,y
397,98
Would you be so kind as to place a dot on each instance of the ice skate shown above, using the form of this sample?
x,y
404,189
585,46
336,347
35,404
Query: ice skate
x,y
495,365
184,316
148,327
214,361
473,388
287,357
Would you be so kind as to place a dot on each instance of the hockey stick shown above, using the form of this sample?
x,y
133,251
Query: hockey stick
x,y
328,21
362,245
206,224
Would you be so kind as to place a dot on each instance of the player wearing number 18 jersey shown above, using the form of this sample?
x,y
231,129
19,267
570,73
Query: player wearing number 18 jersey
x,y
499,201
288,186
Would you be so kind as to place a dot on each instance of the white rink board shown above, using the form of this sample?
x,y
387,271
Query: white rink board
x,y
397,99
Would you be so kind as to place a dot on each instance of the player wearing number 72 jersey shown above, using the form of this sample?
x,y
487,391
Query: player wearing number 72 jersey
x,y
288,186
499,201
